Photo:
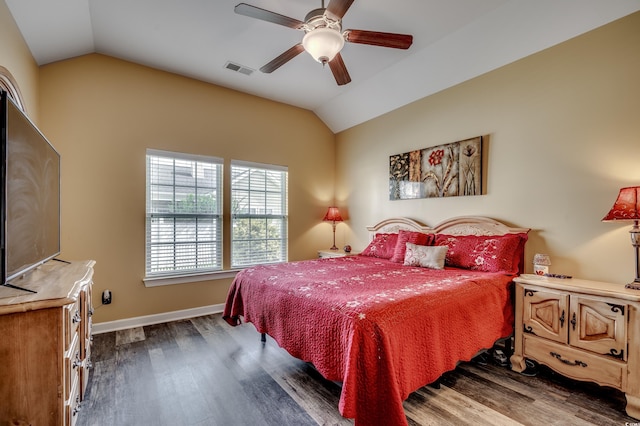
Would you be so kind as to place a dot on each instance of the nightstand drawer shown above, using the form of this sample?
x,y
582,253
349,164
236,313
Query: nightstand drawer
x,y
575,363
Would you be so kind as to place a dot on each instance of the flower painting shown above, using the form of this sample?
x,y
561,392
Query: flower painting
x,y
441,171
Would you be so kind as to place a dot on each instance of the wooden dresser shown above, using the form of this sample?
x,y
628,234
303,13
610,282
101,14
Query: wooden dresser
x,y
45,344
585,330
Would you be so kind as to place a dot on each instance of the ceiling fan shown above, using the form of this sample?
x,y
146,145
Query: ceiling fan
x,y
323,37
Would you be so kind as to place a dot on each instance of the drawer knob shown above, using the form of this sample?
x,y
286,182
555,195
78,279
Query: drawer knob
x,y
576,363
574,321
562,319
76,318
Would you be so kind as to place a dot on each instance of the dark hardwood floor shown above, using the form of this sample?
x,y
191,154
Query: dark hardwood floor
x,y
203,372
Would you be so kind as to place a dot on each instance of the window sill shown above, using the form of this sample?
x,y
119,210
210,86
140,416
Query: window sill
x,y
189,278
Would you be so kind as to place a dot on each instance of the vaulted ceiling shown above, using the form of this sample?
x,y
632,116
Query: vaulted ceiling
x,y
453,41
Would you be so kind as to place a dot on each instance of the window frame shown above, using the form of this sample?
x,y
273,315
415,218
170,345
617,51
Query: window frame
x,y
8,84
173,276
282,215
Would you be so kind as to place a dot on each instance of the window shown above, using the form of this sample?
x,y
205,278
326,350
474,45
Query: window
x,y
8,84
258,214
184,214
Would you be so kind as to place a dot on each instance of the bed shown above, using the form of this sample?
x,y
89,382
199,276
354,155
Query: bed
x,y
392,319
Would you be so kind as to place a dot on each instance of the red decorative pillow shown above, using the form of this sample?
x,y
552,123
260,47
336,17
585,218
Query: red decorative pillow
x,y
382,246
484,253
404,237
518,258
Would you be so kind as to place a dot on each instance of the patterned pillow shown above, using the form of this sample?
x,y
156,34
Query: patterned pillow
x,y
425,256
405,237
483,253
382,246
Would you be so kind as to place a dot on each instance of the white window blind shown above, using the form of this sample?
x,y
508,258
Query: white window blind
x,y
184,213
259,214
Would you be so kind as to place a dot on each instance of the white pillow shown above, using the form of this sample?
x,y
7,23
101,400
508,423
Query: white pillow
x,y
425,256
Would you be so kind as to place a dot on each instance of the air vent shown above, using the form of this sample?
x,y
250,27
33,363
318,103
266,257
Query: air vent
x,y
238,68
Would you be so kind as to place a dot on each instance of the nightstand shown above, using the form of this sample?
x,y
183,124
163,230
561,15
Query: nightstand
x,y
326,253
585,330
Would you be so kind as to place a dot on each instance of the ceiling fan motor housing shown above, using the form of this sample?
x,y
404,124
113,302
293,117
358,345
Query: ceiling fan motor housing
x,y
314,15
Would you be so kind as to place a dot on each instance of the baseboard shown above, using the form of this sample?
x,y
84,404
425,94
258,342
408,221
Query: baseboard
x,y
105,327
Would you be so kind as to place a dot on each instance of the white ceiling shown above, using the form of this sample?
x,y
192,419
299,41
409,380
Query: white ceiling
x,y
454,40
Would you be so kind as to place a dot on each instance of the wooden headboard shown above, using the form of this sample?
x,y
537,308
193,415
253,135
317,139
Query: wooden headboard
x,y
462,225
393,225
475,225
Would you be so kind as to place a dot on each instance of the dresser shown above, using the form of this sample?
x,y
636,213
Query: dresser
x,y
585,330
45,344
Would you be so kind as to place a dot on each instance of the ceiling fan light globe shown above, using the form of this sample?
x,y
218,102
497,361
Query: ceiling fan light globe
x,y
323,44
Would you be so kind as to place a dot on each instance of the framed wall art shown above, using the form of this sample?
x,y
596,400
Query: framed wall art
x,y
447,170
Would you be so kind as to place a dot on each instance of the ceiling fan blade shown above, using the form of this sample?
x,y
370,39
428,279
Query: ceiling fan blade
x,y
375,38
283,59
337,8
267,15
339,70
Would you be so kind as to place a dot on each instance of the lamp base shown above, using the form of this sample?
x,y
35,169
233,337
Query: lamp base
x,y
334,237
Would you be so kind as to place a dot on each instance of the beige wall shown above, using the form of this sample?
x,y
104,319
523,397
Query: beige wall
x,y
16,58
563,132
102,113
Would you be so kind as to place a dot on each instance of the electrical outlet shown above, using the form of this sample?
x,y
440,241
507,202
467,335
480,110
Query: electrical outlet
x,y
106,297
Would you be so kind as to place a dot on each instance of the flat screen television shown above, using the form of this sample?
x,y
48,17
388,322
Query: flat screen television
x,y
30,199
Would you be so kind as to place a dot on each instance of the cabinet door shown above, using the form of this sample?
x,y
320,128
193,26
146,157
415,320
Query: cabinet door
x,y
598,325
545,313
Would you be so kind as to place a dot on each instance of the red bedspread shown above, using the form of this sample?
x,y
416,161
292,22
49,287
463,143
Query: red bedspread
x,y
381,328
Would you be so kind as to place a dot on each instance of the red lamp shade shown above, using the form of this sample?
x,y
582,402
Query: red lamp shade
x,y
333,214
626,206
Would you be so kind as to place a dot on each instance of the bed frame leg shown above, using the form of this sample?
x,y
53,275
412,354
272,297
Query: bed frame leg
x,y
263,337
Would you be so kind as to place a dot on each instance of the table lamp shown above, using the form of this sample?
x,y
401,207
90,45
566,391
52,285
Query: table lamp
x,y
627,207
333,215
